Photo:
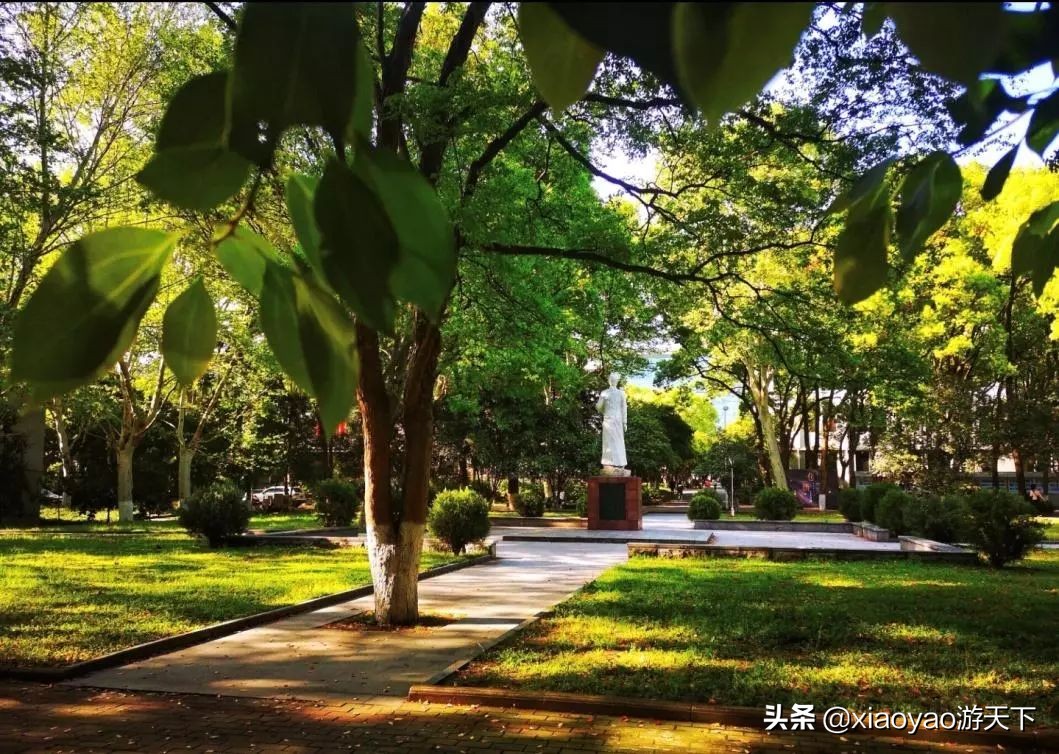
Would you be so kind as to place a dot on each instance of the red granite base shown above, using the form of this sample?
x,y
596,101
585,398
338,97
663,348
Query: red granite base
x,y
633,513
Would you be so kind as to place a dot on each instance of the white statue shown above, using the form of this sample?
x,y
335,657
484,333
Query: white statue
x,y
615,412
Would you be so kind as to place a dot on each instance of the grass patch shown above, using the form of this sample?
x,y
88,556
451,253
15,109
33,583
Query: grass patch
x,y
73,523
68,598
1051,527
501,511
898,634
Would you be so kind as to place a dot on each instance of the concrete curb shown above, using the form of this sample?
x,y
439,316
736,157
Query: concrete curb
x,y
570,522
740,717
216,631
700,550
784,526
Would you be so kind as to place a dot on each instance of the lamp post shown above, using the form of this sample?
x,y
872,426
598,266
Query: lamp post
x,y
724,411
731,497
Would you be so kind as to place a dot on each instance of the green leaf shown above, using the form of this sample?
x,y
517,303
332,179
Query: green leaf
x,y
244,255
358,244
1036,248
860,256
427,264
1044,125
299,194
872,20
929,195
295,63
312,339
562,64
192,166
979,107
641,31
956,40
867,187
725,55
197,178
189,333
998,175
85,311
363,99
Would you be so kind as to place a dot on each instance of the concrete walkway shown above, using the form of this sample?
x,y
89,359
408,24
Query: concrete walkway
x,y
298,658
676,528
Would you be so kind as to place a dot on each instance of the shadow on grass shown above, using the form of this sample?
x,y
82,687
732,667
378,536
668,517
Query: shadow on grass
x,y
904,634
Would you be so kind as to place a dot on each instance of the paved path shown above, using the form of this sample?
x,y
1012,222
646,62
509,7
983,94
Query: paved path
x,y
297,657
42,719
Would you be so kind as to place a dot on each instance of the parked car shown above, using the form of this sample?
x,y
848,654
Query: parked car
x,y
277,498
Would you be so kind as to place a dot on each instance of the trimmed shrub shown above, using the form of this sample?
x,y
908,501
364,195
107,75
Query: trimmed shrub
x,y
849,503
216,513
890,510
775,504
577,496
484,488
870,497
646,497
943,520
458,518
530,501
337,501
704,506
1001,526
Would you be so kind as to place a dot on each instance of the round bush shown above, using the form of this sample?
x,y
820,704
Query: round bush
x,y
775,504
890,510
943,520
704,506
1001,526
646,497
870,497
458,518
337,501
216,513
530,501
849,503
577,496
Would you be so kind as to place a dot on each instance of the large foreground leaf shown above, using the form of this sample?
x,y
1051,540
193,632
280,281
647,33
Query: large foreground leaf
x,y
85,312
189,333
562,63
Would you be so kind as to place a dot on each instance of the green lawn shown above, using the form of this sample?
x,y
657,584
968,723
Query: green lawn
x,y
501,511
72,597
73,523
1051,527
897,634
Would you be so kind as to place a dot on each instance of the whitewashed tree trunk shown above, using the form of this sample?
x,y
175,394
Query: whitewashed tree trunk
x,y
124,457
59,423
184,457
395,571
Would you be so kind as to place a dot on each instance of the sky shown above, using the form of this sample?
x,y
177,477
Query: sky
x,y
642,171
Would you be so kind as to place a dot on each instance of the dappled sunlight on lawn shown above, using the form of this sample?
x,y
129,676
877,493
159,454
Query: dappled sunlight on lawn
x,y
73,597
888,633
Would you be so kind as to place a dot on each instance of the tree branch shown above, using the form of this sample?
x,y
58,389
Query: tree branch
x,y
224,17
496,146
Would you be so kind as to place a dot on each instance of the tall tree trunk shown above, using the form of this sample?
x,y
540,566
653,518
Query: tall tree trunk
x,y
1020,470
65,454
759,387
184,457
125,452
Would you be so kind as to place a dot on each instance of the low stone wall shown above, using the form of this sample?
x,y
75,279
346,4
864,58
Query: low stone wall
x,y
553,523
919,544
670,550
872,533
801,526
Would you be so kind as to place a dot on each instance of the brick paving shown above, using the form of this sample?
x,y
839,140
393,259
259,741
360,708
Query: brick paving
x,y
38,718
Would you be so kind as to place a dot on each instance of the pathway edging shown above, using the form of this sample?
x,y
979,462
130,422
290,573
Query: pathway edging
x,y
215,631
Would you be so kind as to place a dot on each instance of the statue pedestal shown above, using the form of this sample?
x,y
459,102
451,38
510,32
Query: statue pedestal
x,y
614,503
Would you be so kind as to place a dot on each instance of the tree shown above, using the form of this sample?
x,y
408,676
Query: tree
x,y
438,121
